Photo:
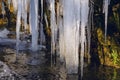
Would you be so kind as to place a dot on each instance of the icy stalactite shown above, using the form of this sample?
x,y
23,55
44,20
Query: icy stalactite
x,y
42,35
84,24
34,23
105,10
18,24
90,27
53,25
21,10
61,30
71,23
77,31
21,7
3,9
73,32
24,13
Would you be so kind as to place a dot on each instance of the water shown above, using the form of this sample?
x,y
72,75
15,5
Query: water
x,y
103,73
43,72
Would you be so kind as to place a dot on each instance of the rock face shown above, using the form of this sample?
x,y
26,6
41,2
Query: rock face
x,y
4,70
6,73
29,65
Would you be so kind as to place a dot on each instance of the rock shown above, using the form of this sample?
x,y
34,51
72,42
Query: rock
x,y
4,70
11,58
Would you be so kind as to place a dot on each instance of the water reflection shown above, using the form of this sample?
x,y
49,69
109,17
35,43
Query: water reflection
x,y
101,73
114,74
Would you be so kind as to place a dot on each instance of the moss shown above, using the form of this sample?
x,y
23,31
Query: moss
x,y
109,51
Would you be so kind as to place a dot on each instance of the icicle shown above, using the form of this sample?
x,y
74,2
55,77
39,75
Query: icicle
x,y
84,23
53,25
105,10
9,3
34,23
15,4
3,9
71,18
42,36
18,23
53,28
61,31
24,6
89,29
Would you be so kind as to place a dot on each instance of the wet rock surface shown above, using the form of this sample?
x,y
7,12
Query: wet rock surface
x,y
28,65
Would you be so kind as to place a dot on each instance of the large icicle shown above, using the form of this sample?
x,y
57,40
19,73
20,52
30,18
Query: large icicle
x,y
71,18
42,36
54,28
34,23
89,29
61,30
84,24
20,8
18,23
53,25
105,10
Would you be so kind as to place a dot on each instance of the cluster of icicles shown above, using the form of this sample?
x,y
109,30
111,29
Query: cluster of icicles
x,y
70,27
73,23
22,8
